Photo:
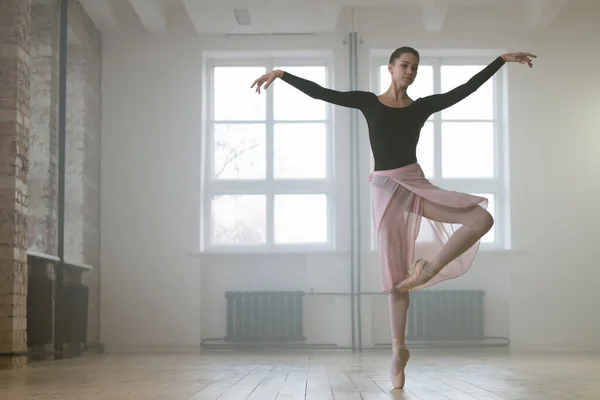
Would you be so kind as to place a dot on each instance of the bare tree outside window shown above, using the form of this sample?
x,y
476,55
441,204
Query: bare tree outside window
x,y
239,151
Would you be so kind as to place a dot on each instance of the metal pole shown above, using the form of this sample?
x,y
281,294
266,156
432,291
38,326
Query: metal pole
x,y
62,118
352,200
355,178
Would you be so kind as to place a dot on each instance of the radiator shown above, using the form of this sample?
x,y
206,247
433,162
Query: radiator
x,y
40,311
75,313
445,315
263,316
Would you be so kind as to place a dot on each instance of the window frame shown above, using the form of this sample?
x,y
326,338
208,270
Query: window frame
x,y
498,185
269,186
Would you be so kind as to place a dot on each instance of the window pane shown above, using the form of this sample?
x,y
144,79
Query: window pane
x,y
425,153
233,99
300,218
489,237
467,149
239,219
239,151
300,151
479,105
291,104
384,78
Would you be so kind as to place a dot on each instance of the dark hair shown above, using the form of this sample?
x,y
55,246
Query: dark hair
x,y
401,50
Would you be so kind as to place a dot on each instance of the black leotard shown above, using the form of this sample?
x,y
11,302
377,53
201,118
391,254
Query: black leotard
x,y
394,132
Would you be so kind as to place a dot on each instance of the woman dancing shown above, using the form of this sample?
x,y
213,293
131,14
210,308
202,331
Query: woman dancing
x,y
401,194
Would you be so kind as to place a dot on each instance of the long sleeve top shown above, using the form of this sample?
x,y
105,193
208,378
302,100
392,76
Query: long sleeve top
x,y
394,131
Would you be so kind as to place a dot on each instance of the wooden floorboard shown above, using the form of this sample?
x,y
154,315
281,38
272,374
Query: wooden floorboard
x,y
317,375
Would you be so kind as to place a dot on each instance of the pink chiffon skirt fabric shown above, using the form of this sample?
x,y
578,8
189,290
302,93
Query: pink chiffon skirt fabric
x,y
404,234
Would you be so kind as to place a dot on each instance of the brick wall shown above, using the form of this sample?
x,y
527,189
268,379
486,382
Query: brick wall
x,y
14,154
29,62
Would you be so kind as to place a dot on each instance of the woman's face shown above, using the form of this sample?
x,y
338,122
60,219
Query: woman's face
x,y
404,69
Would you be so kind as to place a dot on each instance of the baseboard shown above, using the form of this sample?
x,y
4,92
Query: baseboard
x,y
552,348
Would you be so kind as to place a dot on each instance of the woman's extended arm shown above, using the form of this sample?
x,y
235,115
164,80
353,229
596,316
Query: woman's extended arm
x,y
438,102
351,99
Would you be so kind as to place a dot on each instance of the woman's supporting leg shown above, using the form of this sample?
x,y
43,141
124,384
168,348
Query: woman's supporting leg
x,y
475,222
399,303
394,251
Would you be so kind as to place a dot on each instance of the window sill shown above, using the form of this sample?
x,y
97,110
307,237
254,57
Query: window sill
x,y
302,252
262,252
42,256
483,250
79,266
49,257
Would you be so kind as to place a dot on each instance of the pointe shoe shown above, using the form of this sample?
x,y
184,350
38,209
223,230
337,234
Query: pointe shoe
x,y
399,379
416,267
414,273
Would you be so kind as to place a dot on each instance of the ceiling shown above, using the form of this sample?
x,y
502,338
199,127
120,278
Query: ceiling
x,y
247,17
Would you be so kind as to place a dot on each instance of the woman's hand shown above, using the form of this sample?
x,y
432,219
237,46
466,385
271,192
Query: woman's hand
x,y
521,58
266,79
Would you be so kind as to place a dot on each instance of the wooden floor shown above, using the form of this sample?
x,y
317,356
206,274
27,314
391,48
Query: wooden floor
x,y
314,375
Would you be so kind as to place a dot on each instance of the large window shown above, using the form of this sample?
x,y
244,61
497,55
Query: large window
x,y
462,147
268,174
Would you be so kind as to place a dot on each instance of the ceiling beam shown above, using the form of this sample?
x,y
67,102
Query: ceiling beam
x,y
542,13
195,10
103,14
152,14
434,14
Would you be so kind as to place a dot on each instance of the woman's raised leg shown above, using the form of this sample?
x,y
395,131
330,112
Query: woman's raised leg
x,y
475,221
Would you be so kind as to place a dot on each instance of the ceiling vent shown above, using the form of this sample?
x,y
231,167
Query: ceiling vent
x,y
242,16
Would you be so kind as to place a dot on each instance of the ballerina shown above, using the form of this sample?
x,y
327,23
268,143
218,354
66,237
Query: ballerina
x,y
401,194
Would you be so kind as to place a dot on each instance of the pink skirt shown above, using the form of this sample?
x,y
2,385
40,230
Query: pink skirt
x,y
404,234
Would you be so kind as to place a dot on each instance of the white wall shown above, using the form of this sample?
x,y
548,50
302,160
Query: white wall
x,y
541,294
150,149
